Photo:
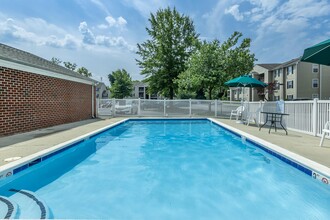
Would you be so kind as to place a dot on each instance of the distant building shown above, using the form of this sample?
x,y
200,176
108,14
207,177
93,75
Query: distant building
x,y
140,90
293,80
102,92
298,80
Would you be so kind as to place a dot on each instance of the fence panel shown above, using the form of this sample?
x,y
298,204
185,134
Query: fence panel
x,y
151,107
177,108
104,107
323,115
301,113
225,107
203,108
125,107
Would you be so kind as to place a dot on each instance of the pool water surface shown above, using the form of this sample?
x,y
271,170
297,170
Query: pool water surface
x,y
172,169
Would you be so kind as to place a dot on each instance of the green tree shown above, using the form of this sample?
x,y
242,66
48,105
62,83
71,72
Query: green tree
x,y
56,61
163,57
84,71
121,85
70,66
214,63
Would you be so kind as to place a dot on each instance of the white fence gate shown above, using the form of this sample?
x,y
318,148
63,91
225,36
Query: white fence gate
x,y
304,116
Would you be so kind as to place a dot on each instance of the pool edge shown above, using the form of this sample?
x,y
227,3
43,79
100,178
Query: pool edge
x,y
315,170
309,167
14,167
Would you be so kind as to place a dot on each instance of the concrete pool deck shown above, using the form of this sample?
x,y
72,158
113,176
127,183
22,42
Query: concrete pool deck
x,y
22,145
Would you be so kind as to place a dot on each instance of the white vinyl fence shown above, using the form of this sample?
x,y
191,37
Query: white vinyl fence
x,y
304,116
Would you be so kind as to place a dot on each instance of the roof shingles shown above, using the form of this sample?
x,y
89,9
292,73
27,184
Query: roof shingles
x,y
22,57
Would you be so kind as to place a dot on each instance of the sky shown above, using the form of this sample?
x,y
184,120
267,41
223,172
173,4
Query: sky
x,y
102,35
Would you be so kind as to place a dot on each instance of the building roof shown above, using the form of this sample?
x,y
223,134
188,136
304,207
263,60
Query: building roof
x,y
140,84
288,63
22,57
269,66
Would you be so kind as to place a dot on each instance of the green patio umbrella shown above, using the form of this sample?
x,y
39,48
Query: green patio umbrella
x,y
245,81
319,53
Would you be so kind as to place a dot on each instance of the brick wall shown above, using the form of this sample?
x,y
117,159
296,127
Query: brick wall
x,y
30,101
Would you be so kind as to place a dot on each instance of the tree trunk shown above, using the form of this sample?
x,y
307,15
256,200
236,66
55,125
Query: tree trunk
x,y
171,93
210,97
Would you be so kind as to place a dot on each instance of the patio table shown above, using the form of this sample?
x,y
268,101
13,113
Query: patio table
x,y
274,117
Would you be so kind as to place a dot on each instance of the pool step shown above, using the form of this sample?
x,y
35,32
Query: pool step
x,y
8,208
29,205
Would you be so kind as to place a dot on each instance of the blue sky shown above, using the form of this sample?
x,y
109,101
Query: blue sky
x,y
101,35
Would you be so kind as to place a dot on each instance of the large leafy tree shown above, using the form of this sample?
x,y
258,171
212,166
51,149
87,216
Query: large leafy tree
x,y
214,63
84,71
163,57
121,84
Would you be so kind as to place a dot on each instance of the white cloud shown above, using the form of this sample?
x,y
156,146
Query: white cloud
x,y
145,7
265,5
88,36
270,17
100,5
39,32
111,21
29,31
234,11
120,22
214,18
102,26
102,40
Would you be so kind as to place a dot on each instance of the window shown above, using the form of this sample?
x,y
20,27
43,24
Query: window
x,y
315,83
278,72
289,84
141,89
315,96
289,70
315,68
289,97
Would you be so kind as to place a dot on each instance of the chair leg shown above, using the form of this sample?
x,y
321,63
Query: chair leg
x,y
322,139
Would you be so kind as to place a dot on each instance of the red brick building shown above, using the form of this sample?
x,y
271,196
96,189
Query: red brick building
x,y
36,93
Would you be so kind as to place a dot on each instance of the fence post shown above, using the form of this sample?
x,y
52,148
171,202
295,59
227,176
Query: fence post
x,y
164,107
215,108
315,116
189,107
259,114
113,108
139,107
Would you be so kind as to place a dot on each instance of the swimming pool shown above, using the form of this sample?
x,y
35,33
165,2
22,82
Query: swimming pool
x,y
167,169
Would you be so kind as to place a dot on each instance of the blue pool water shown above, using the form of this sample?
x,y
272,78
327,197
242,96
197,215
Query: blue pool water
x,y
177,169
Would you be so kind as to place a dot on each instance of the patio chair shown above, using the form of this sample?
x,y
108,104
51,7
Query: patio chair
x,y
325,130
253,116
237,112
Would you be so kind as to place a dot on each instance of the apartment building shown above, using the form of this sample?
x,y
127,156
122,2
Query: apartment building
x,y
140,90
292,80
296,80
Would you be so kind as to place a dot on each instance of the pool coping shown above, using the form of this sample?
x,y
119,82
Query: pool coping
x,y
311,168
9,169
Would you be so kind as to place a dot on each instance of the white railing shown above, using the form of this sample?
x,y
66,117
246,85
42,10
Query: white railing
x,y
304,116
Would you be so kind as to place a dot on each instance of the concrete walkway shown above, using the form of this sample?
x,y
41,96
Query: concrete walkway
x,y
31,142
